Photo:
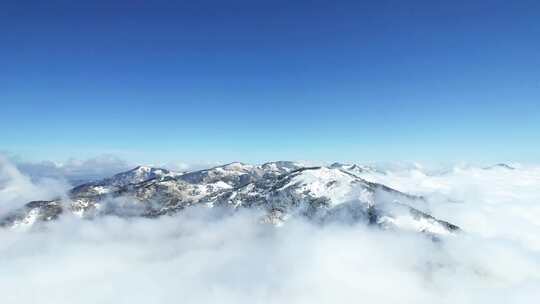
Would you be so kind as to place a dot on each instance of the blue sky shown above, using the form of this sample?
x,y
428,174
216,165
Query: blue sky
x,y
266,80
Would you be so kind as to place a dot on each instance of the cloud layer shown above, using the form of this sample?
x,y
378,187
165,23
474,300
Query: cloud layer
x,y
210,256
16,188
75,170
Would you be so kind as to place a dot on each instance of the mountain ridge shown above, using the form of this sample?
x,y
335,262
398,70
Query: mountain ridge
x,y
282,189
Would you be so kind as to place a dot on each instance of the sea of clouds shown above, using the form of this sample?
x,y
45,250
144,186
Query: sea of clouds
x,y
211,256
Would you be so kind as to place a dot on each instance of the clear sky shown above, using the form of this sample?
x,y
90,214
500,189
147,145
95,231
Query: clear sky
x,y
267,80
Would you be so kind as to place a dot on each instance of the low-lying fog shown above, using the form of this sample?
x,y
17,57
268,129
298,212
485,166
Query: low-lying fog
x,y
206,256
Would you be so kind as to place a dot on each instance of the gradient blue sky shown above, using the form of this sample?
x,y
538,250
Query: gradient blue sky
x,y
266,80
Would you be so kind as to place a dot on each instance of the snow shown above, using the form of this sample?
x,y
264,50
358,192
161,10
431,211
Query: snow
x,y
101,190
419,225
28,220
221,185
334,184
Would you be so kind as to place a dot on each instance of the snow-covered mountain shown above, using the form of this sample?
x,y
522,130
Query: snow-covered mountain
x,y
114,183
500,166
355,168
281,189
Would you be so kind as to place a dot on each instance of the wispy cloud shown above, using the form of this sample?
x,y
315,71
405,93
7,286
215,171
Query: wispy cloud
x,y
75,169
17,189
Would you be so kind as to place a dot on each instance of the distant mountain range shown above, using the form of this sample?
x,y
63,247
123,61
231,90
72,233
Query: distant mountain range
x,y
281,190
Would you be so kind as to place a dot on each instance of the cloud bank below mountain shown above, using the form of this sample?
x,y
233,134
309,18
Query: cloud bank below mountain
x,y
208,255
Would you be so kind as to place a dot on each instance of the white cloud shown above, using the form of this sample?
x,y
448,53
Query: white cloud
x,y
84,170
491,203
205,256
75,169
17,189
